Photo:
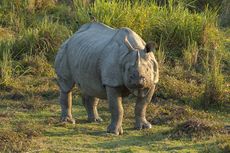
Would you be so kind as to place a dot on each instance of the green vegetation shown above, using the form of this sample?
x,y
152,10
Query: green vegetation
x,y
191,108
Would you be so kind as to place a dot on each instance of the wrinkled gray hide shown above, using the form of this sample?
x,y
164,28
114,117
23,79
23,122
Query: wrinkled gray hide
x,y
106,63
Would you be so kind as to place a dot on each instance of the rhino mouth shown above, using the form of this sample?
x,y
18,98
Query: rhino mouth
x,y
140,92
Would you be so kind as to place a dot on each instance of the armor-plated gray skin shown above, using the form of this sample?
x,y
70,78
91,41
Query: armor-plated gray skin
x,y
106,63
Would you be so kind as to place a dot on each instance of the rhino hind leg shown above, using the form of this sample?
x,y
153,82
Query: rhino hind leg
x,y
90,104
66,107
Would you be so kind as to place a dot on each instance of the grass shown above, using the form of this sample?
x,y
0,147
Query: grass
x,y
190,109
34,119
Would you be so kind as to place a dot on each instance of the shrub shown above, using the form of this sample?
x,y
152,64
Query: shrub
x,y
40,4
170,87
63,14
37,65
190,55
213,52
195,5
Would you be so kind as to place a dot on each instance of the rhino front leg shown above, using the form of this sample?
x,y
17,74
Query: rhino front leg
x,y
116,109
66,107
140,111
90,104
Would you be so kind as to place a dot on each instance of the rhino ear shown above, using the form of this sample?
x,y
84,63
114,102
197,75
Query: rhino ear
x,y
150,46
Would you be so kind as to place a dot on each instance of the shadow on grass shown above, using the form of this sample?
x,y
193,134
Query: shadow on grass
x,y
182,147
155,142
129,141
49,95
60,133
82,121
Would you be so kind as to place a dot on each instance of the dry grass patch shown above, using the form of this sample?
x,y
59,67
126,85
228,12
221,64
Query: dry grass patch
x,y
37,65
20,138
195,128
167,114
14,95
171,87
5,34
34,104
224,147
6,114
11,141
52,120
30,130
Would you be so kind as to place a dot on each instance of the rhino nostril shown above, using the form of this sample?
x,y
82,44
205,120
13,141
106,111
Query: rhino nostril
x,y
131,77
140,85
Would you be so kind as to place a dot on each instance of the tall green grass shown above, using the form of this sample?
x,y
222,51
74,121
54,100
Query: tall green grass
x,y
28,30
6,63
213,53
174,26
45,37
186,37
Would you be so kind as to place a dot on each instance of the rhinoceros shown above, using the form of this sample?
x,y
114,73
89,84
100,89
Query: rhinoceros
x,y
106,63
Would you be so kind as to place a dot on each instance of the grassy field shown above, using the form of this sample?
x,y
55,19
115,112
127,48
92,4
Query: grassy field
x,y
190,111
31,124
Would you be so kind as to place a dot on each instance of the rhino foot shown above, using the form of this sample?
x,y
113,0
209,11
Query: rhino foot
x,y
112,129
97,119
143,125
67,120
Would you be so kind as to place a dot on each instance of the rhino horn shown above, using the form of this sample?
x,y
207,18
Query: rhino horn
x,y
130,47
138,58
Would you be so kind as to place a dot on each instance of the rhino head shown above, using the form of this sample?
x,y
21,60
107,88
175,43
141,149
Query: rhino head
x,y
140,69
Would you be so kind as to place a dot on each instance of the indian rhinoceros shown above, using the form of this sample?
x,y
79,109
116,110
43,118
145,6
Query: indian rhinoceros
x,y
110,64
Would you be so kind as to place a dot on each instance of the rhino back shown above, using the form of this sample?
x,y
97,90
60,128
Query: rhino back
x,y
94,55
85,50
